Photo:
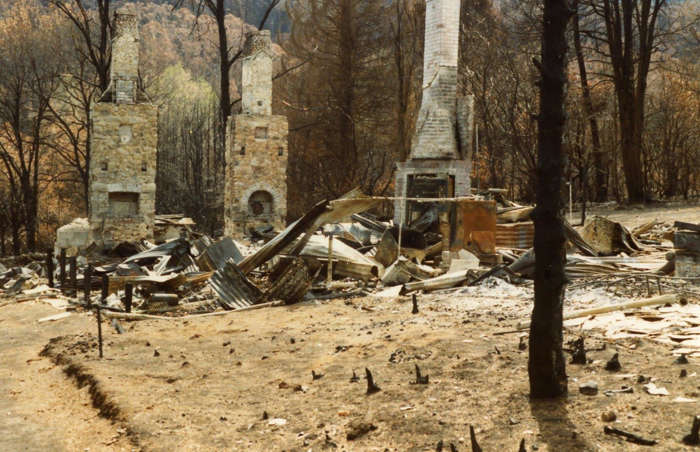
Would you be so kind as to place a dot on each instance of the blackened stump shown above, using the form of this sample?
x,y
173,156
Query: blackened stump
x,y
62,270
49,267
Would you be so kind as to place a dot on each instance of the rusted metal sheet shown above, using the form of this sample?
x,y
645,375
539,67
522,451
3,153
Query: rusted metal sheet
x,y
515,235
235,291
292,284
474,229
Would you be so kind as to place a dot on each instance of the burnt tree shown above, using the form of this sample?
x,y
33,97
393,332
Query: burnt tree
x,y
228,54
631,35
600,159
88,77
546,366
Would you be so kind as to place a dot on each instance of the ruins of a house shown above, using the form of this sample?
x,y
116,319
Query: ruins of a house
x,y
439,165
123,146
123,141
256,148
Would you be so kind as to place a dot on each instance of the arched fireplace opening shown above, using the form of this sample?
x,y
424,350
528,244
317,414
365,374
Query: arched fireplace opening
x,y
260,204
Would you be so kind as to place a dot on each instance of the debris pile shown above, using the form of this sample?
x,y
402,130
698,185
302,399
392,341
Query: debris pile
x,y
339,249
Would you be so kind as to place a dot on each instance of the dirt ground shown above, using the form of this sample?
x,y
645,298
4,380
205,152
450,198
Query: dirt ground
x,y
632,216
214,378
40,409
242,381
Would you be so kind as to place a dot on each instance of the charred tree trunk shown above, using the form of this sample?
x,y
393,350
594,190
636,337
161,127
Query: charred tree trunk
x,y
600,160
630,29
546,366
224,62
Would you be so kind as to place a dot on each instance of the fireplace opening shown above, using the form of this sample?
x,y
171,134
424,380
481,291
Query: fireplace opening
x,y
426,186
260,203
123,204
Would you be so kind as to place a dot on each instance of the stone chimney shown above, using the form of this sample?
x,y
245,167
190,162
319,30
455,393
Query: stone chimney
x,y
256,74
125,56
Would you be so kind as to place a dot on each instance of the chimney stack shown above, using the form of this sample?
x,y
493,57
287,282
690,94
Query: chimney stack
x,y
125,56
256,74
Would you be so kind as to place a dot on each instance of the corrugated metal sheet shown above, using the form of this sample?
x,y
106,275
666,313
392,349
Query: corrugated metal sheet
x,y
515,235
216,255
292,284
235,291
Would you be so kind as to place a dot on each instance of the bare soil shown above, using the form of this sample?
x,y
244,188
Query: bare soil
x,y
40,409
243,382
633,216
217,378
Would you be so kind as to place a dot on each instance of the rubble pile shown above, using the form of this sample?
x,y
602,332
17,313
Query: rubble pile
x,y
340,249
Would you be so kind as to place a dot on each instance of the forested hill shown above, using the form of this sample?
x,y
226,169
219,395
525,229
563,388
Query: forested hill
x,y
250,11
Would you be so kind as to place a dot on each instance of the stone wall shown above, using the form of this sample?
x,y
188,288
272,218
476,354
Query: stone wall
x,y
122,171
256,162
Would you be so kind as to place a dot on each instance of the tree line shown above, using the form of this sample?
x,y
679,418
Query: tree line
x,y
348,77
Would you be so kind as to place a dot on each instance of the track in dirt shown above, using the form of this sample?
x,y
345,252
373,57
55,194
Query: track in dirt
x,y
41,408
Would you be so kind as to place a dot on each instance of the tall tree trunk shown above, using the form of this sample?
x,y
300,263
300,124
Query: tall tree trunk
x,y
600,160
630,35
16,240
224,63
546,366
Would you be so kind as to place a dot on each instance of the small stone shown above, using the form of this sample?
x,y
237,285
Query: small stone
x,y
588,388
155,353
684,373
608,416
681,360
357,429
614,364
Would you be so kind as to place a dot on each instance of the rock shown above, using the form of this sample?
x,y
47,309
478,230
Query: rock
x,y
357,429
614,364
681,360
522,345
588,388
608,416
